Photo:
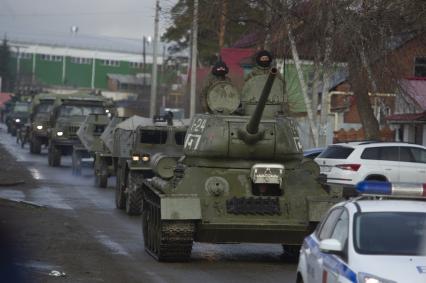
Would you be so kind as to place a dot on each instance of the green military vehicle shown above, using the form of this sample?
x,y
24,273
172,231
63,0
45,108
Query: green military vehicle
x,y
67,115
104,162
242,178
18,117
41,108
150,141
89,135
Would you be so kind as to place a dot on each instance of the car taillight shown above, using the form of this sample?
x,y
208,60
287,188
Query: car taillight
x,y
351,167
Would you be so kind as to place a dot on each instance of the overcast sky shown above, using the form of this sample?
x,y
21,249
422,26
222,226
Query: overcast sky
x,y
116,18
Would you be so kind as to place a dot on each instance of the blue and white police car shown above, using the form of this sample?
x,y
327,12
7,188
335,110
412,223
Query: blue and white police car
x,y
379,237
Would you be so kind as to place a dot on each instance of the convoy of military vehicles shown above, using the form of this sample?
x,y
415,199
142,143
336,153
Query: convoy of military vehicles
x,y
235,173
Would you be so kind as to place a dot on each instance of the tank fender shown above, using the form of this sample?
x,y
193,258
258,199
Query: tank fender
x,y
318,206
132,166
180,207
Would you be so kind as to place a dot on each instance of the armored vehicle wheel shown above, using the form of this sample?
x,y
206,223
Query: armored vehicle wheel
x,y
76,163
134,193
120,187
101,173
163,239
54,156
35,146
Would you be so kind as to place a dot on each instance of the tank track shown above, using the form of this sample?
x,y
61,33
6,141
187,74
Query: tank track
x,y
165,240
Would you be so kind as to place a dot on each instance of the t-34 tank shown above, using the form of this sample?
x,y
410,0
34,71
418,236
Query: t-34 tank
x,y
241,179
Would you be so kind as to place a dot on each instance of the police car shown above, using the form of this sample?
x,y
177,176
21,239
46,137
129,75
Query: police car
x,y
379,237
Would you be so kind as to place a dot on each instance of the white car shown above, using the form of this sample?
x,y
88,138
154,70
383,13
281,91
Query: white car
x,y
352,162
379,237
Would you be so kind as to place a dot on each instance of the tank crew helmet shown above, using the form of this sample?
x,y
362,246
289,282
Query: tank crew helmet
x,y
220,69
264,58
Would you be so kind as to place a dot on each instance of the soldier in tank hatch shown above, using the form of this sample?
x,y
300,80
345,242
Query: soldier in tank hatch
x,y
216,82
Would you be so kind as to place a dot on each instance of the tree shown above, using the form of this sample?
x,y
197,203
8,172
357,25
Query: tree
x,y
5,71
240,18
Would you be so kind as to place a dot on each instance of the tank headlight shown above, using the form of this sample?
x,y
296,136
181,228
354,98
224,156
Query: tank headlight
x,y
145,158
59,134
106,110
135,158
17,120
39,127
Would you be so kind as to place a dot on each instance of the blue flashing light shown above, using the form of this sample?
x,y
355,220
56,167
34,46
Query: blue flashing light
x,y
374,188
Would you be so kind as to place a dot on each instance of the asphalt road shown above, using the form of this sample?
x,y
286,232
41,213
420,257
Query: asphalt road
x,y
121,235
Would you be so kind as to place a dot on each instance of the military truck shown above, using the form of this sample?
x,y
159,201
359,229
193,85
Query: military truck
x,y
241,179
67,115
18,117
150,140
89,135
41,107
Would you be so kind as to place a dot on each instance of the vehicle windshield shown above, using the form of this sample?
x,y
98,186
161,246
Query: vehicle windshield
x,y
45,108
390,233
77,110
20,108
336,152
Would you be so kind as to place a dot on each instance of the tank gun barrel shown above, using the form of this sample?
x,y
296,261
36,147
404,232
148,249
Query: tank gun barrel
x,y
253,125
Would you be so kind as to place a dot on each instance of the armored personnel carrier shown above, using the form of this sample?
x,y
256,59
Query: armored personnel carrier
x,y
66,118
41,107
156,143
104,162
241,179
89,135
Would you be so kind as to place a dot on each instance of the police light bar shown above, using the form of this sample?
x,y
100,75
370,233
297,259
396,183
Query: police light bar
x,y
391,189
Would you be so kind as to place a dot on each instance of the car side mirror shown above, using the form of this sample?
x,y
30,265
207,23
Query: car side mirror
x,y
331,246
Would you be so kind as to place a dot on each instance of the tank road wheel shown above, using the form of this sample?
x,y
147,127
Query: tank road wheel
x,y
120,187
76,163
35,145
163,239
134,193
101,173
54,156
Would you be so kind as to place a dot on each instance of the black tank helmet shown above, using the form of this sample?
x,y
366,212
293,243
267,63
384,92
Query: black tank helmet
x,y
220,69
263,58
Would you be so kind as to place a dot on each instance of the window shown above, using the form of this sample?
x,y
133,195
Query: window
x,y
405,155
420,67
48,57
153,136
112,63
135,65
371,153
328,225
341,230
336,152
389,153
180,138
22,55
79,60
419,154
390,233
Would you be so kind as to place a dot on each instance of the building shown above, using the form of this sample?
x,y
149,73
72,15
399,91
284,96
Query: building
x,y
77,61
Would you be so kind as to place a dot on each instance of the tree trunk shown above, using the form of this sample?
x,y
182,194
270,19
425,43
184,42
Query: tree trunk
x,y
222,27
308,102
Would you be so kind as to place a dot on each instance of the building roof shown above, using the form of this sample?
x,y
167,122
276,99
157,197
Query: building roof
x,y
416,89
410,117
81,41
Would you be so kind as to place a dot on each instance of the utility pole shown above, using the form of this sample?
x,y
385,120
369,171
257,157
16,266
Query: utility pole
x,y
154,63
222,27
194,59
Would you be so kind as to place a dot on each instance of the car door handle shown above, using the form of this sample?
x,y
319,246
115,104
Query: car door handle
x,y
388,169
422,171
